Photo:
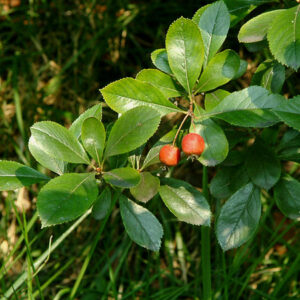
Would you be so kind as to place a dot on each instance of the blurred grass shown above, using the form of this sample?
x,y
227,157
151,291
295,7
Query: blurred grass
x,y
54,56
265,265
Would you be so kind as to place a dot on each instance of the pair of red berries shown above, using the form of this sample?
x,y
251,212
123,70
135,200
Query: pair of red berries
x,y
192,144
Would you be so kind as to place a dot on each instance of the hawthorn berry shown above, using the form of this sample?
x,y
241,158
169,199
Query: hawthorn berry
x,y
193,144
169,155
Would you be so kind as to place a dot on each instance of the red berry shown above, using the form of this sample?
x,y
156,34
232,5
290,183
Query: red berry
x,y
169,155
193,143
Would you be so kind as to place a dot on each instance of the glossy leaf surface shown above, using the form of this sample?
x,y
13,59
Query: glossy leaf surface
x,y
128,93
255,30
132,130
284,37
66,197
185,52
214,24
220,70
159,58
160,80
102,205
242,69
14,175
141,225
95,111
270,75
58,142
122,177
56,165
250,107
289,112
185,202
93,138
214,98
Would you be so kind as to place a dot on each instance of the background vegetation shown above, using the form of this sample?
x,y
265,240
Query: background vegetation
x,y
54,56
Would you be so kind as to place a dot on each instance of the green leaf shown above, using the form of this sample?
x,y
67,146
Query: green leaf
x,y
140,224
132,130
263,166
255,30
159,58
198,14
214,98
216,144
284,37
289,112
102,205
66,197
234,158
118,161
289,146
235,136
220,70
93,138
239,217
227,181
214,24
269,135
185,52
95,111
147,187
127,93
290,154
160,80
55,165
239,9
291,138
257,47
152,156
123,177
270,75
14,175
185,202
250,107
57,142
286,193
242,69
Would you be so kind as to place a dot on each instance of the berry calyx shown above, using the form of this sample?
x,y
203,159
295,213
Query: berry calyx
x,y
193,144
169,155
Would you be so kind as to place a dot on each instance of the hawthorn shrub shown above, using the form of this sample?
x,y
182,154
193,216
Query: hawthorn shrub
x,y
248,135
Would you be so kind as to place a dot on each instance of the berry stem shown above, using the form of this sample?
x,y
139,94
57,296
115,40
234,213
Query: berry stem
x,y
189,113
183,121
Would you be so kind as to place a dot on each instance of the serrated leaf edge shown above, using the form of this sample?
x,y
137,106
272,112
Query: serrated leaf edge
x,y
50,225
85,159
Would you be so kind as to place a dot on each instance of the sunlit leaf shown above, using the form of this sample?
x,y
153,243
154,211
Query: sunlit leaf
x,y
66,197
14,175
